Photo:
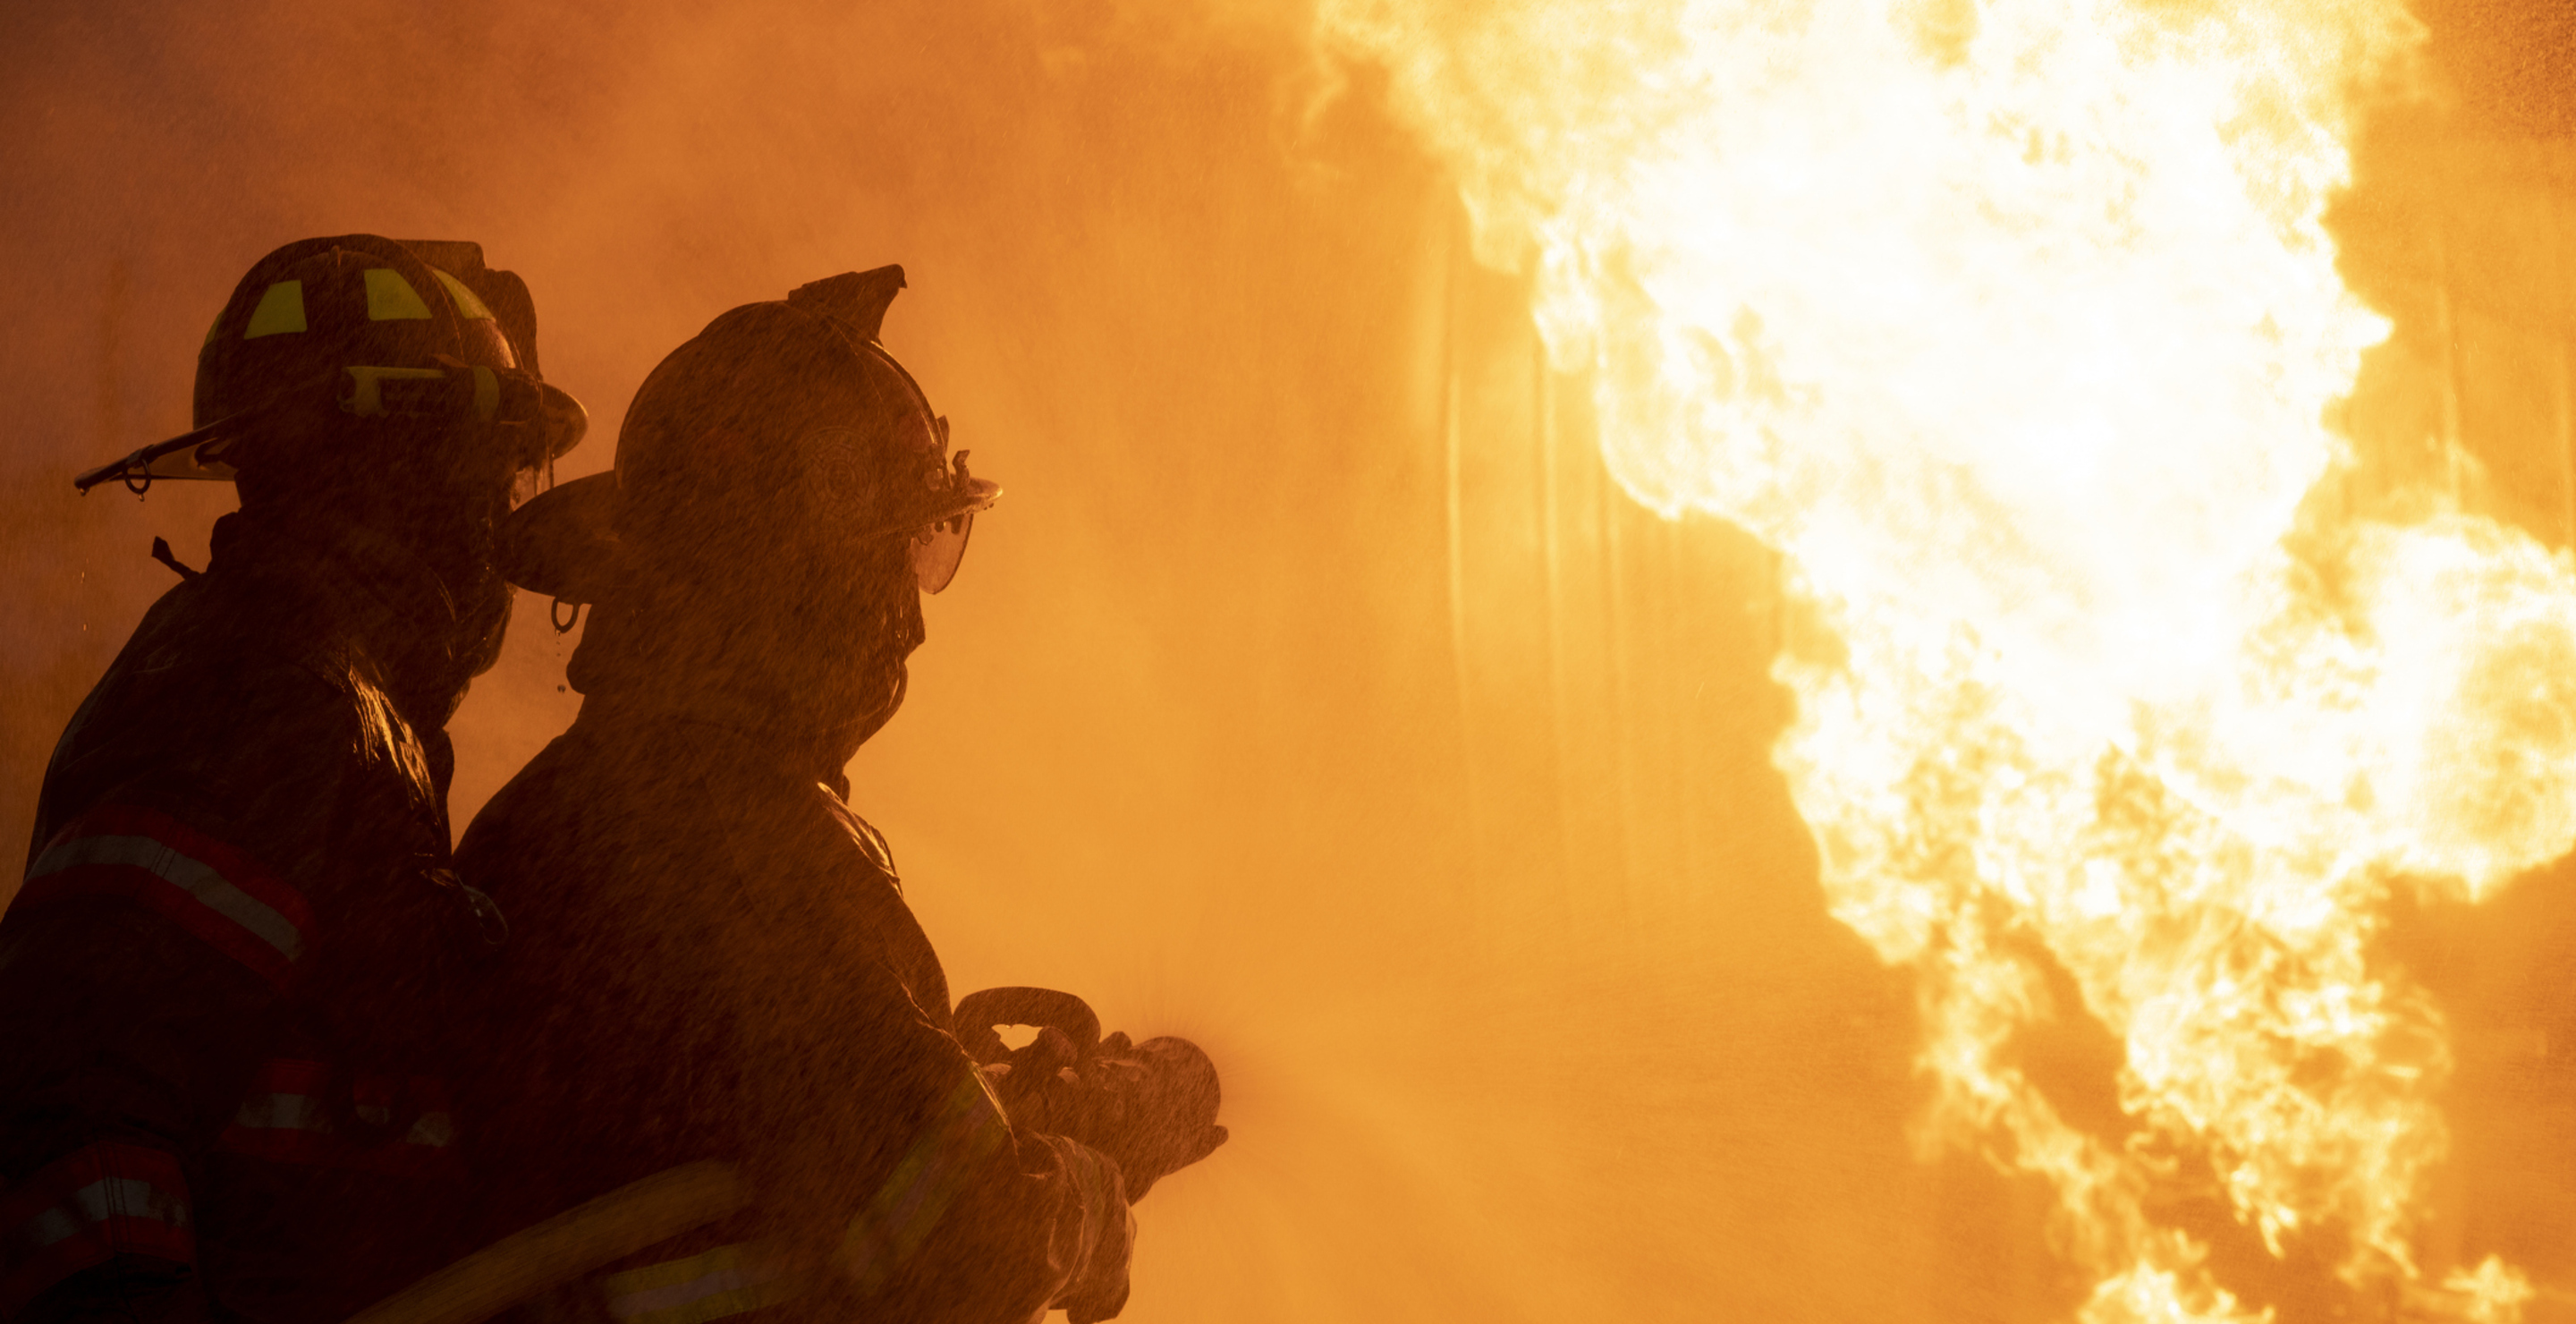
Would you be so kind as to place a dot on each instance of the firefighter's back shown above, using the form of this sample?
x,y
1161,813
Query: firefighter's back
x,y
221,964
709,959
222,977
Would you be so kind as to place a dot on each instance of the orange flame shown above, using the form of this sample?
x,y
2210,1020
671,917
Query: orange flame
x,y
2011,324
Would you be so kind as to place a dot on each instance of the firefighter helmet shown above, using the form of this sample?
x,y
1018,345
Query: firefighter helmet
x,y
782,430
356,328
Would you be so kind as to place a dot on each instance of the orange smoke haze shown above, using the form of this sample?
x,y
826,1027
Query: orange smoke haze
x,y
1313,692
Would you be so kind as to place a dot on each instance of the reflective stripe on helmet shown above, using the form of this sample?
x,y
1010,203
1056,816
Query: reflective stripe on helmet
x,y
390,298
366,386
468,304
206,887
728,1280
280,311
102,1200
288,1117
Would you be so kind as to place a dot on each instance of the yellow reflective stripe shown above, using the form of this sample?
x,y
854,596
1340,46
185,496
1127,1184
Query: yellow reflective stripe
x,y
280,311
487,394
467,305
390,298
917,1194
728,1280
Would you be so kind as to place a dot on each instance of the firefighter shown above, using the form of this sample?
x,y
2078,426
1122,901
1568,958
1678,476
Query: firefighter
x,y
222,973
713,958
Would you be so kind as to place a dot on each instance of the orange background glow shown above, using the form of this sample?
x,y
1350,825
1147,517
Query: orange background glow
x,y
1313,692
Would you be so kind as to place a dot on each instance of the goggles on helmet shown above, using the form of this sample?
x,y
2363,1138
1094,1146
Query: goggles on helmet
x,y
937,550
953,498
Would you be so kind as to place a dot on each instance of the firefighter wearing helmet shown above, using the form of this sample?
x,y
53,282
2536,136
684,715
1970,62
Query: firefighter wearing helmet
x,y
713,960
222,978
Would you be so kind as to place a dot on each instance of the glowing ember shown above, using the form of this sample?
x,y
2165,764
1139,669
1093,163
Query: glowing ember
x,y
2011,324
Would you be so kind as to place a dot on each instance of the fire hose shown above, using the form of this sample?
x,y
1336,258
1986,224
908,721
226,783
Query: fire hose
x,y
1151,1106
590,1236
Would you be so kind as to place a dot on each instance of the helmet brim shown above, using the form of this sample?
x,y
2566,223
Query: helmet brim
x,y
563,543
188,457
970,496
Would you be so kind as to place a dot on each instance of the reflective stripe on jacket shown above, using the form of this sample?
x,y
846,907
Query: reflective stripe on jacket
x,y
713,1284
740,1277
301,1112
230,905
100,1201
206,887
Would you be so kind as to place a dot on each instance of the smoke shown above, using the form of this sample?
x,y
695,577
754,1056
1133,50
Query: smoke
x,y
644,167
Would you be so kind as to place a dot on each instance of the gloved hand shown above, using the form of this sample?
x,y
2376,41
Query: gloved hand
x,y
1150,1107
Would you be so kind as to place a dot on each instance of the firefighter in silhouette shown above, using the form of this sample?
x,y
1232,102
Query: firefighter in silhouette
x,y
223,970
712,958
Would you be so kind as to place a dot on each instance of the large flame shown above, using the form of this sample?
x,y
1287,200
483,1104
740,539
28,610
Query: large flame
x,y
2012,324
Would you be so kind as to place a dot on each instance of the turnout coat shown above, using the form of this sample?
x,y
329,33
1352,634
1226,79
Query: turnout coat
x,y
712,959
224,973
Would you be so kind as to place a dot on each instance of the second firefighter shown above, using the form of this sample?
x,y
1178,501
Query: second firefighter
x,y
712,957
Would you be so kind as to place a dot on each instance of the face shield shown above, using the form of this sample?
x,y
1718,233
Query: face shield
x,y
936,551
936,548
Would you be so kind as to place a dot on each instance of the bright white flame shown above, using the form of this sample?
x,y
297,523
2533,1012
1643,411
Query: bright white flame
x,y
2011,323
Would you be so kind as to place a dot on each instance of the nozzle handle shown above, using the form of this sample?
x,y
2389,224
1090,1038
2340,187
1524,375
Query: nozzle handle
x,y
978,1013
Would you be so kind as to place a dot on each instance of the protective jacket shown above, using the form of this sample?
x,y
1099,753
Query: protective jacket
x,y
712,959
220,978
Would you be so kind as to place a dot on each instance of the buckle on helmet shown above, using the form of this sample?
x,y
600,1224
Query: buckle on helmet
x,y
366,397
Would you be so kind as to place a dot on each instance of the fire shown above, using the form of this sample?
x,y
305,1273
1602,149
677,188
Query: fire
x,y
2012,325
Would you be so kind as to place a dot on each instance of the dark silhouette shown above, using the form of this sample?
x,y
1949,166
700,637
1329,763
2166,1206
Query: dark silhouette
x,y
712,957
220,1091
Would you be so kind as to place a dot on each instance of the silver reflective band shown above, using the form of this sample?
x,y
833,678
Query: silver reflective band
x,y
303,1112
128,1197
51,1226
283,1112
101,1200
191,876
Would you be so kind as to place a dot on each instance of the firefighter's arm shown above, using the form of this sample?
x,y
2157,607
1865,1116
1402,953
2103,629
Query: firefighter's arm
x,y
1098,1290
116,1030
892,1144
1028,1222
139,965
1150,1107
